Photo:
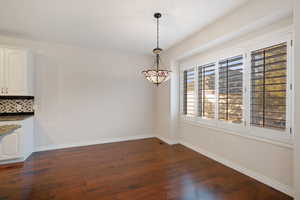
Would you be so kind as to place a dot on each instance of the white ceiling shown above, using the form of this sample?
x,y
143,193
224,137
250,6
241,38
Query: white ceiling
x,y
119,24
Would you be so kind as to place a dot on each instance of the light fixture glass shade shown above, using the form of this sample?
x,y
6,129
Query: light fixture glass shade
x,y
156,76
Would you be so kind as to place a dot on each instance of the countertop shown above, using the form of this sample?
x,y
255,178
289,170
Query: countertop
x,y
15,117
8,129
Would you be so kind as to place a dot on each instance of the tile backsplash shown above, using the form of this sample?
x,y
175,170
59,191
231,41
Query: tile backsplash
x,y
16,105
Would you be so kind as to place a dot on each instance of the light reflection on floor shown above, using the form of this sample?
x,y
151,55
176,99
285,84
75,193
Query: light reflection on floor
x,y
192,190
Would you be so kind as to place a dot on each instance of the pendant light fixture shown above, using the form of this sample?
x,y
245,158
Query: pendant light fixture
x,y
156,75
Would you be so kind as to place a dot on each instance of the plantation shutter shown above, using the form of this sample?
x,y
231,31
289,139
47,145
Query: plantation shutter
x,y
230,104
206,91
189,92
268,87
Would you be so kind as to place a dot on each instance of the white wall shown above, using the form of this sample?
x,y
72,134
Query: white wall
x,y
297,99
271,164
88,96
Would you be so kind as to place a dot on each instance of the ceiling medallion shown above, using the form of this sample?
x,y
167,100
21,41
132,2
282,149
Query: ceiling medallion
x,y
156,75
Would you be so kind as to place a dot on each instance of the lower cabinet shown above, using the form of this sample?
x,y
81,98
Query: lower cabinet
x,y
10,146
18,145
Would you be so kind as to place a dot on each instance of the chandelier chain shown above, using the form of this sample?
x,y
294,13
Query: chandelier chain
x,y
157,32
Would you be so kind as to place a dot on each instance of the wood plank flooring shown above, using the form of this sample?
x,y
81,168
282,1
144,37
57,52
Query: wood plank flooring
x,y
145,169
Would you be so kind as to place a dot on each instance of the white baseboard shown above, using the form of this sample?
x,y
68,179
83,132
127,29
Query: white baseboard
x,y
257,176
18,160
166,140
22,158
102,141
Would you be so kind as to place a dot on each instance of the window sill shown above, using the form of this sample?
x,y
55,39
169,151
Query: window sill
x,y
287,143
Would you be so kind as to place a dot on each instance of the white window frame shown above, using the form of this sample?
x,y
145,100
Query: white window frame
x,y
181,79
198,118
226,124
286,135
245,129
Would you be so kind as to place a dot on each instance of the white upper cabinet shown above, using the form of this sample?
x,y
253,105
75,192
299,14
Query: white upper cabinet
x,y
16,72
2,84
15,68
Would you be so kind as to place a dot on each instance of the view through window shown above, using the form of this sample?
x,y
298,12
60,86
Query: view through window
x,y
231,89
206,91
268,87
189,92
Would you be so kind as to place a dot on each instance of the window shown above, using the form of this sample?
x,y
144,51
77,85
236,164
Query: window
x,y
230,102
206,91
268,87
189,92
247,93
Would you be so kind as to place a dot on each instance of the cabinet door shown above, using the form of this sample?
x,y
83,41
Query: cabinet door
x,y
2,85
10,146
15,72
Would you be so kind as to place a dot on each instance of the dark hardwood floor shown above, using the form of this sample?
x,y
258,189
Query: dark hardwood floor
x,y
145,169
